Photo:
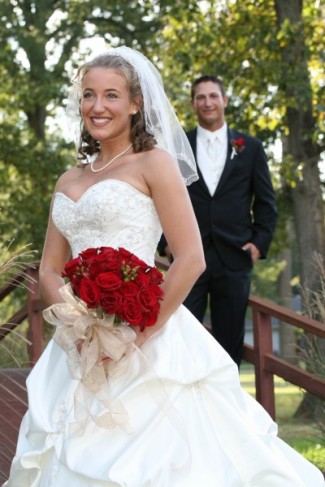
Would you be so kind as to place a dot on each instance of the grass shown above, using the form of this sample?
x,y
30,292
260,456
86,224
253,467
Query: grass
x,y
13,348
303,436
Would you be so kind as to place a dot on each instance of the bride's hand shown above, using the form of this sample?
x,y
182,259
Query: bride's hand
x,y
79,344
142,336
140,339
104,360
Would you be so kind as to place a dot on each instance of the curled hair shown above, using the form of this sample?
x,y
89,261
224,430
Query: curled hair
x,y
141,139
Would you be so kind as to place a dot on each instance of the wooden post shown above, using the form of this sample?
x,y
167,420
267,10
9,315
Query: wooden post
x,y
35,318
264,382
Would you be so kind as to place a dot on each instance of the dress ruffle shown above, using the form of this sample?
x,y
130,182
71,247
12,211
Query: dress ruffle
x,y
208,432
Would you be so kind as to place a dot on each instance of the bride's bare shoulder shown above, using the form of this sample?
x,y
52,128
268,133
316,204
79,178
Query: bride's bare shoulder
x,y
157,158
68,177
157,162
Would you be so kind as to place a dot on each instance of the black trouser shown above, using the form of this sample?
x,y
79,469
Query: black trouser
x,y
227,292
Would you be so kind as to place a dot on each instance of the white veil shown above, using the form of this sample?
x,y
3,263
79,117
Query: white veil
x,y
160,118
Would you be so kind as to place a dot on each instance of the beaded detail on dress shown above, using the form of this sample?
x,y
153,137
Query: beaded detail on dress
x,y
109,213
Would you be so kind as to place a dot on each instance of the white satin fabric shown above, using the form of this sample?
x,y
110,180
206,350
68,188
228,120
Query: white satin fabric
x,y
191,424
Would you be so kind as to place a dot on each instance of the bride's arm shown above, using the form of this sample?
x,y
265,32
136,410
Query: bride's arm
x,y
180,227
55,254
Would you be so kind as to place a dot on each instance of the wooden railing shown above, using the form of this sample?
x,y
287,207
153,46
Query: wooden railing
x,y
267,364
261,355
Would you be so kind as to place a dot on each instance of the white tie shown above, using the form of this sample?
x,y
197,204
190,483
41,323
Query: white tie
x,y
212,148
214,164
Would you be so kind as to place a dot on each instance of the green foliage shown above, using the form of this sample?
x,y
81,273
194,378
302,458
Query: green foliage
x,y
265,278
28,172
13,348
313,450
241,42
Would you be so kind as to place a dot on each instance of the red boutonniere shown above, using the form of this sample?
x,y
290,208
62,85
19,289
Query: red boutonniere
x,y
238,145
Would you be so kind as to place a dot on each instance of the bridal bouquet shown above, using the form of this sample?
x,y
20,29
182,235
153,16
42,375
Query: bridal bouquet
x,y
116,282
108,293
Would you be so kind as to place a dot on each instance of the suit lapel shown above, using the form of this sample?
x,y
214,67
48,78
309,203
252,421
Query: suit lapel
x,y
229,162
192,140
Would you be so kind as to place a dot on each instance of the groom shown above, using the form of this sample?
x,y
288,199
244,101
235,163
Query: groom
x,y
235,208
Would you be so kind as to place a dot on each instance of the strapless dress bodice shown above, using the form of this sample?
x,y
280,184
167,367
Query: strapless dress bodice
x,y
110,213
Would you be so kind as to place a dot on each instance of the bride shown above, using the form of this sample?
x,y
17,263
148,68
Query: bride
x,y
172,409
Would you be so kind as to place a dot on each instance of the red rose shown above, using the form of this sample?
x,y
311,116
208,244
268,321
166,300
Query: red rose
x,y
97,268
238,145
155,275
123,255
142,280
87,256
70,267
96,264
149,319
89,292
73,270
136,262
129,289
148,299
111,302
108,281
126,258
240,142
110,257
158,291
131,312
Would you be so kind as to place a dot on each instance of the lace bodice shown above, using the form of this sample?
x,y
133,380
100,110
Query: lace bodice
x,y
110,213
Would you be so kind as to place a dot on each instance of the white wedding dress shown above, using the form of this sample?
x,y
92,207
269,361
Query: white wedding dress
x,y
191,423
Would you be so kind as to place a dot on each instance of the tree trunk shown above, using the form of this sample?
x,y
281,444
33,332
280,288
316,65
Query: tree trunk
x,y
288,349
306,194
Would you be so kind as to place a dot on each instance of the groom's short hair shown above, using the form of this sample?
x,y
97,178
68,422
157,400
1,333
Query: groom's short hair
x,y
203,79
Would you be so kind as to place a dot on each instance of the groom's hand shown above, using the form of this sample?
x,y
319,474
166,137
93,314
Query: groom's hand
x,y
255,253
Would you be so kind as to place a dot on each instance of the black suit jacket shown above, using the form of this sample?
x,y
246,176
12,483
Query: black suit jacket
x,y
242,208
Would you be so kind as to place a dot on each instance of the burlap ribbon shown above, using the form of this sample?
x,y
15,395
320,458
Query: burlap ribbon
x,y
97,338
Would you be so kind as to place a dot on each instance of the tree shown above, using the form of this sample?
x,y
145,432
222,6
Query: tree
x,y
303,147
39,45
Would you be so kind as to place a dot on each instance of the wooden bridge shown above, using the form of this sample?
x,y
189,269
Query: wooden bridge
x,y
13,397
13,404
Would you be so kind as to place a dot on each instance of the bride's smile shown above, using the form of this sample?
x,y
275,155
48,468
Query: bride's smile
x,y
106,108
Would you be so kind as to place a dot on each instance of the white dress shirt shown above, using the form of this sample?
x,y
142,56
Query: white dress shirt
x,y
211,155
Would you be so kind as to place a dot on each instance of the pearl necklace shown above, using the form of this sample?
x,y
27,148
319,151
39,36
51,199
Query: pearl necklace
x,y
109,162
